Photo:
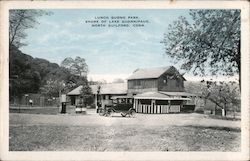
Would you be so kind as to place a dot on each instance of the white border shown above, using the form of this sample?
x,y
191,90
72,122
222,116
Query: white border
x,y
4,124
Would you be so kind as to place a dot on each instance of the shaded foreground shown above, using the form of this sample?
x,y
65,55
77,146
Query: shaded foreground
x,y
91,133
128,138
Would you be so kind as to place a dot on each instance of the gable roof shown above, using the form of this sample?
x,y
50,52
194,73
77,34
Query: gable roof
x,y
75,91
146,73
109,88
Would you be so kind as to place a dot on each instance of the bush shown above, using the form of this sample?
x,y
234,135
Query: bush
x,y
199,110
188,108
92,106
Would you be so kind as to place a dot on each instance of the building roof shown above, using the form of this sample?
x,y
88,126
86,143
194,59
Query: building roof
x,y
157,96
116,97
110,88
75,91
146,73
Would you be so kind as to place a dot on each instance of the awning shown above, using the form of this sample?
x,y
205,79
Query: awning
x,y
158,96
177,93
116,97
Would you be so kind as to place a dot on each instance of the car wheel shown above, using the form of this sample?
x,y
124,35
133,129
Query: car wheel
x,y
132,113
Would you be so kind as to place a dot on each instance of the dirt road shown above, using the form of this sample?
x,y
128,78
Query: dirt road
x,y
93,119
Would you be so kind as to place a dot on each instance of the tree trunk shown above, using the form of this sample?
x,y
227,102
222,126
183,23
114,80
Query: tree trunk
x,y
225,109
238,63
205,103
215,108
234,111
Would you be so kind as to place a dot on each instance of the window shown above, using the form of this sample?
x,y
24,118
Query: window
x,y
145,102
137,82
130,100
123,100
115,101
165,81
177,83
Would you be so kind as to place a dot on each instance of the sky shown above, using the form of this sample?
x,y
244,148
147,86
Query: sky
x,y
110,52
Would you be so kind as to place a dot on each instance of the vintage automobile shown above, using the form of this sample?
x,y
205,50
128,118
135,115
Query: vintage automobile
x,y
120,104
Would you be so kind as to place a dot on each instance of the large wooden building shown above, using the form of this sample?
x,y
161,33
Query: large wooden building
x,y
156,79
158,90
154,90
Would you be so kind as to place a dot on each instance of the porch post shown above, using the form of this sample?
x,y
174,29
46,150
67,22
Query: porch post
x,y
135,105
96,101
169,106
139,104
152,106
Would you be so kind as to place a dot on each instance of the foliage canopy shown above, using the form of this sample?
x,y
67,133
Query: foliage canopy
x,y
76,66
21,20
209,42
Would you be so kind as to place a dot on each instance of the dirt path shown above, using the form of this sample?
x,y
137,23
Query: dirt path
x,y
91,132
93,119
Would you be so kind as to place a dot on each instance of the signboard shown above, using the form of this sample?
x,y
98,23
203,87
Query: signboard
x,y
63,98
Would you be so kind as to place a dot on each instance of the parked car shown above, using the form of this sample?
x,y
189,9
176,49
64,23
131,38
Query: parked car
x,y
121,104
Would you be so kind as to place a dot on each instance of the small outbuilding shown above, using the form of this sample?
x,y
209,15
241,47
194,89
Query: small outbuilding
x,y
102,93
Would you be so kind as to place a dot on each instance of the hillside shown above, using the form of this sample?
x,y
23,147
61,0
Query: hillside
x,y
29,75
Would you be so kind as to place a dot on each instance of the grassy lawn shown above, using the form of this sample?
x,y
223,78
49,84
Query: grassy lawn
x,y
92,133
128,138
40,110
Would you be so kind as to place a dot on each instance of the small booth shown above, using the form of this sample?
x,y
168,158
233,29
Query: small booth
x,y
80,106
64,103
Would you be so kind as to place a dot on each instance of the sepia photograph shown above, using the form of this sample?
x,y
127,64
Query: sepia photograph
x,y
125,80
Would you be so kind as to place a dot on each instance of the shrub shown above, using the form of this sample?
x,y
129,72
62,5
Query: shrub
x,y
199,110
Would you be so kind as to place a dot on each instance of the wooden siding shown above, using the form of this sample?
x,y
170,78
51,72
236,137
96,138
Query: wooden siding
x,y
170,85
166,82
142,85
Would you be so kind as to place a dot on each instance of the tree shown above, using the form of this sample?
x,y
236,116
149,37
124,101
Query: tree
x,y
52,88
21,20
35,75
224,95
23,77
86,94
209,42
73,81
76,66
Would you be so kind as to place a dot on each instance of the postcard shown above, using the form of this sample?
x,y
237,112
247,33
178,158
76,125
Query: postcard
x,y
124,80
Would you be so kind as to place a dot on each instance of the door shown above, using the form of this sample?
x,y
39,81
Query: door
x,y
73,100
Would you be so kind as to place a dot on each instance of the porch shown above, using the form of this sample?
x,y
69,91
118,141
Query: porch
x,y
158,103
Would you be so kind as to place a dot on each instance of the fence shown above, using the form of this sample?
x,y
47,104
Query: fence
x,y
38,100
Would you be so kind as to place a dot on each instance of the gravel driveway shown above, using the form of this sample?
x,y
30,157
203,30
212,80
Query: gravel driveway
x,y
144,132
93,119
